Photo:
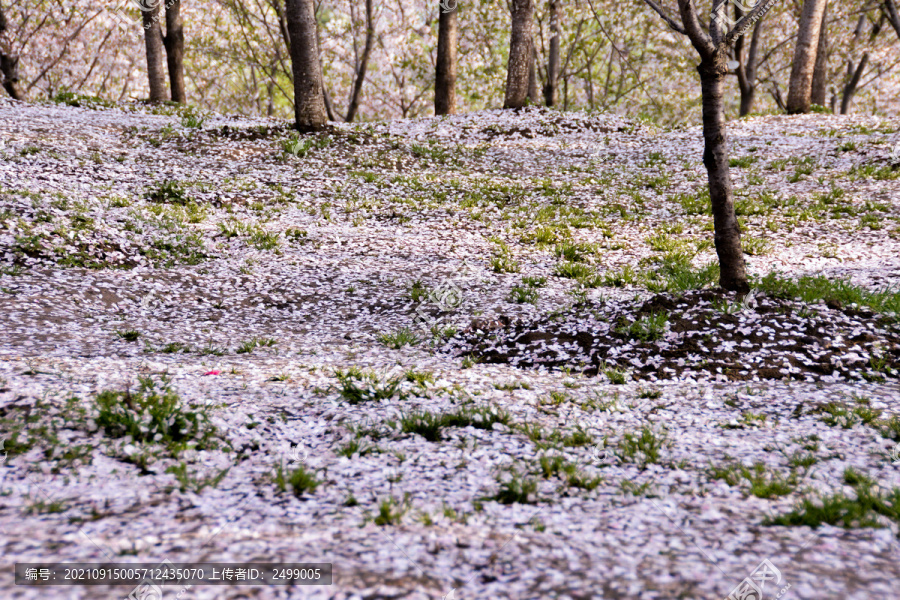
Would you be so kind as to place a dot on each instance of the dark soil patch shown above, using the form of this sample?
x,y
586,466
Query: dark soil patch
x,y
706,333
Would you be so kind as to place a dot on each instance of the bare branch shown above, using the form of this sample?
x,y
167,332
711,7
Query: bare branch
x,y
699,38
748,20
893,15
675,25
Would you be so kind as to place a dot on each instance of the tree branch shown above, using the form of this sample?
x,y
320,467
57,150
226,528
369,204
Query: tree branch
x,y
675,25
893,15
742,26
699,38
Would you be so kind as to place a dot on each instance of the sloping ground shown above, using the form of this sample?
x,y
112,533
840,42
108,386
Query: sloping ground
x,y
230,344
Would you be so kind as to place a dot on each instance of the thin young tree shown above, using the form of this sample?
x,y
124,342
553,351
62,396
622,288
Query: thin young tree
x,y
714,48
153,42
551,90
362,63
9,64
445,69
174,43
309,104
803,67
748,64
521,54
819,92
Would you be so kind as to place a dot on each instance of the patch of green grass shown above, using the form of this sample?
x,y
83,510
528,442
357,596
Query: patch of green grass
x,y
522,295
391,512
430,425
697,203
755,246
627,276
515,488
80,100
300,481
418,291
154,414
875,171
742,162
648,328
503,260
574,270
629,487
642,448
761,482
191,481
574,252
534,282
50,507
861,509
251,344
357,387
402,337
192,119
302,147
814,289
168,192
129,335
676,274
557,466
264,240
616,376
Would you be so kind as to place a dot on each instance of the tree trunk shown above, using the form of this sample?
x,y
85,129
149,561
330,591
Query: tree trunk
x,y
309,106
353,105
800,89
153,41
9,66
174,42
445,72
520,54
534,96
551,90
820,73
853,75
733,275
746,71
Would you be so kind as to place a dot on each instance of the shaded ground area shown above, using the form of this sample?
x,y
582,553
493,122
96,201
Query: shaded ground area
x,y
751,338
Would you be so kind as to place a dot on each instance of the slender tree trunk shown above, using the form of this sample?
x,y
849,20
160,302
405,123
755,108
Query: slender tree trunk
x,y
520,54
309,106
153,41
551,90
353,105
174,42
853,77
820,73
445,72
9,66
534,96
800,89
746,71
733,275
